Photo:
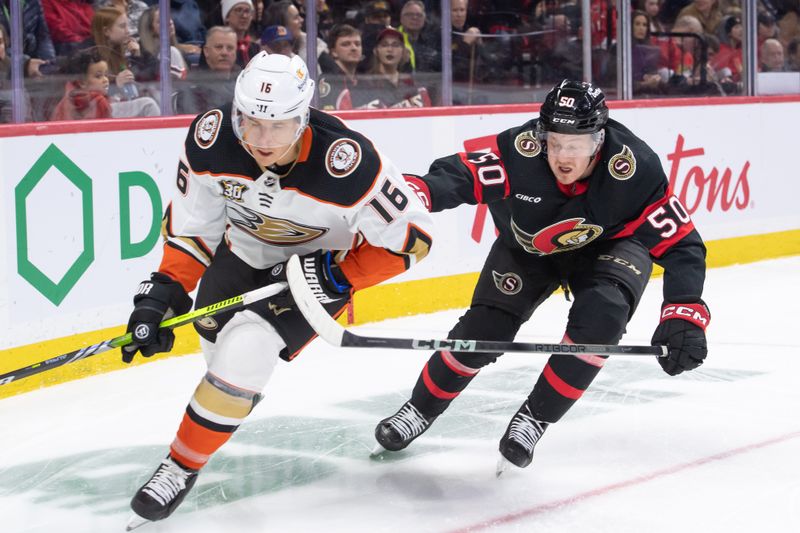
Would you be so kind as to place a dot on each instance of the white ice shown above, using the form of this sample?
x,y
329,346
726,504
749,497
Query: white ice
x,y
714,450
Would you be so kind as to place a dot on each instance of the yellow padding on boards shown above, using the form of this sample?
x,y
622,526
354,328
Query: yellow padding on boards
x,y
218,402
376,303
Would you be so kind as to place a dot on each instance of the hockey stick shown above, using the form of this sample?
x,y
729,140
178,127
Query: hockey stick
x,y
335,334
117,342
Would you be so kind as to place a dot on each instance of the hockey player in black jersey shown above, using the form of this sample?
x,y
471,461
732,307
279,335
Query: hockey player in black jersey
x,y
582,203
267,178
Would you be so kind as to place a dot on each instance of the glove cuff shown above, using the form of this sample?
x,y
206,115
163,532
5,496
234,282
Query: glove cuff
x,y
696,313
420,188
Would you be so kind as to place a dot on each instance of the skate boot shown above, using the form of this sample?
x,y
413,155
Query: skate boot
x,y
522,434
397,431
162,494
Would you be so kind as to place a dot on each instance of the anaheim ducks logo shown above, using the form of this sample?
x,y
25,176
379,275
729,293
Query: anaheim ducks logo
x,y
343,157
622,165
508,283
207,129
527,144
563,236
271,230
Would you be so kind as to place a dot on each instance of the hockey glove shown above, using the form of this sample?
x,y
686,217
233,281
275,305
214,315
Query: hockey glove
x,y
323,275
682,331
159,298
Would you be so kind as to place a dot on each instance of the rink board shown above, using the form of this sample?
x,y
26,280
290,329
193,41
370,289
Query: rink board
x,y
81,207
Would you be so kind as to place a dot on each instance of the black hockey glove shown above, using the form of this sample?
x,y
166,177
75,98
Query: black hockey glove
x,y
682,331
323,275
159,298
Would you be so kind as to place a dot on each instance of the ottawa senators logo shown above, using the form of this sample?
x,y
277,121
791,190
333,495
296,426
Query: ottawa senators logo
x,y
271,230
508,283
622,165
207,129
527,144
563,236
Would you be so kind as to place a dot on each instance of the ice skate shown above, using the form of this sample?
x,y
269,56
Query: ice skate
x,y
397,431
162,494
521,436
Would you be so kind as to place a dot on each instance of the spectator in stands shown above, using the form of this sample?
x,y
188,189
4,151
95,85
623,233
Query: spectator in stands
x,y
36,41
284,13
149,40
385,85
70,24
707,12
30,67
466,44
340,66
767,29
126,62
189,27
789,22
421,40
212,85
377,15
793,51
238,15
644,56
86,96
132,8
277,40
771,56
653,10
728,62
677,54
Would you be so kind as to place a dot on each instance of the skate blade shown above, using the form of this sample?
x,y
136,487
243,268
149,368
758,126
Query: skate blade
x,y
502,465
377,450
136,521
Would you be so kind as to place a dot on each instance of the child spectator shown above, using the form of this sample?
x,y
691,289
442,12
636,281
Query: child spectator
x,y
133,9
121,52
86,96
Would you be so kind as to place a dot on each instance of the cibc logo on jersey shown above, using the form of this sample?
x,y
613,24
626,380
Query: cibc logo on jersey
x,y
562,236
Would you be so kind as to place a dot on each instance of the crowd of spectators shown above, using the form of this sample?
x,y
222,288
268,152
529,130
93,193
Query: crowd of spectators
x,y
101,58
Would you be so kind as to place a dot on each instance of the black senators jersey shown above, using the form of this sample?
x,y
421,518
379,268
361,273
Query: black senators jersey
x,y
627,195
340,194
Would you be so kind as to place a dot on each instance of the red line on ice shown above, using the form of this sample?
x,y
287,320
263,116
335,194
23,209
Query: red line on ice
x,y
600,491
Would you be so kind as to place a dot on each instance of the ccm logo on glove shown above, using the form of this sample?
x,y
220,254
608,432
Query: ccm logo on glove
x,y
697,314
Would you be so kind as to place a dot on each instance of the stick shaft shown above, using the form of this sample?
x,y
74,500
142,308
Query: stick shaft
x,y
230,304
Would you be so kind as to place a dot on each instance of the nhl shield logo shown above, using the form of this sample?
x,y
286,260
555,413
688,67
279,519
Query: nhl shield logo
x,y
527,144
508,283
621,166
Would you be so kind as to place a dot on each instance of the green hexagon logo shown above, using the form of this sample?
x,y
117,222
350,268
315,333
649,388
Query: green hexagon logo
x,y
55,291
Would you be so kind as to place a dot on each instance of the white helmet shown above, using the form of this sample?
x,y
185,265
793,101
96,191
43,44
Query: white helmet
x,y
272,87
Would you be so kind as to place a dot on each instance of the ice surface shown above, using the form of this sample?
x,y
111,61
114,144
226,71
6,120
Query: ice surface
x,y
714,450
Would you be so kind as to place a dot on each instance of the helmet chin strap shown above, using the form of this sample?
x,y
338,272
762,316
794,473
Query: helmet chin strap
x,y
289,149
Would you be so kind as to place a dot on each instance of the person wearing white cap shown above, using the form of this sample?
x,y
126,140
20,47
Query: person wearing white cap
x,y
238,14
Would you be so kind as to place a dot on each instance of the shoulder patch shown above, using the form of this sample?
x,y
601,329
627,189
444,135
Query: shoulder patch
x,y
207,129
527,144
342,157
622,166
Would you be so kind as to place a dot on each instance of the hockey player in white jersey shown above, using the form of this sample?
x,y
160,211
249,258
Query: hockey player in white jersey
x,y
271,178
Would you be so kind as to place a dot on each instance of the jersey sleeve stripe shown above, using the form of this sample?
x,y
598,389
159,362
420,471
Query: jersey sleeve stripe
x,y
473,170
632,226
417,245
369,265
659,249
181,266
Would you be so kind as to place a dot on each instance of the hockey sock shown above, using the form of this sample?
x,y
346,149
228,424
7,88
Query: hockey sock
x,y
562,382
214,413
442,379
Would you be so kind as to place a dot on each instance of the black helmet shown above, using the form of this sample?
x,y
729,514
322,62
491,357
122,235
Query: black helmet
x,y
574,108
